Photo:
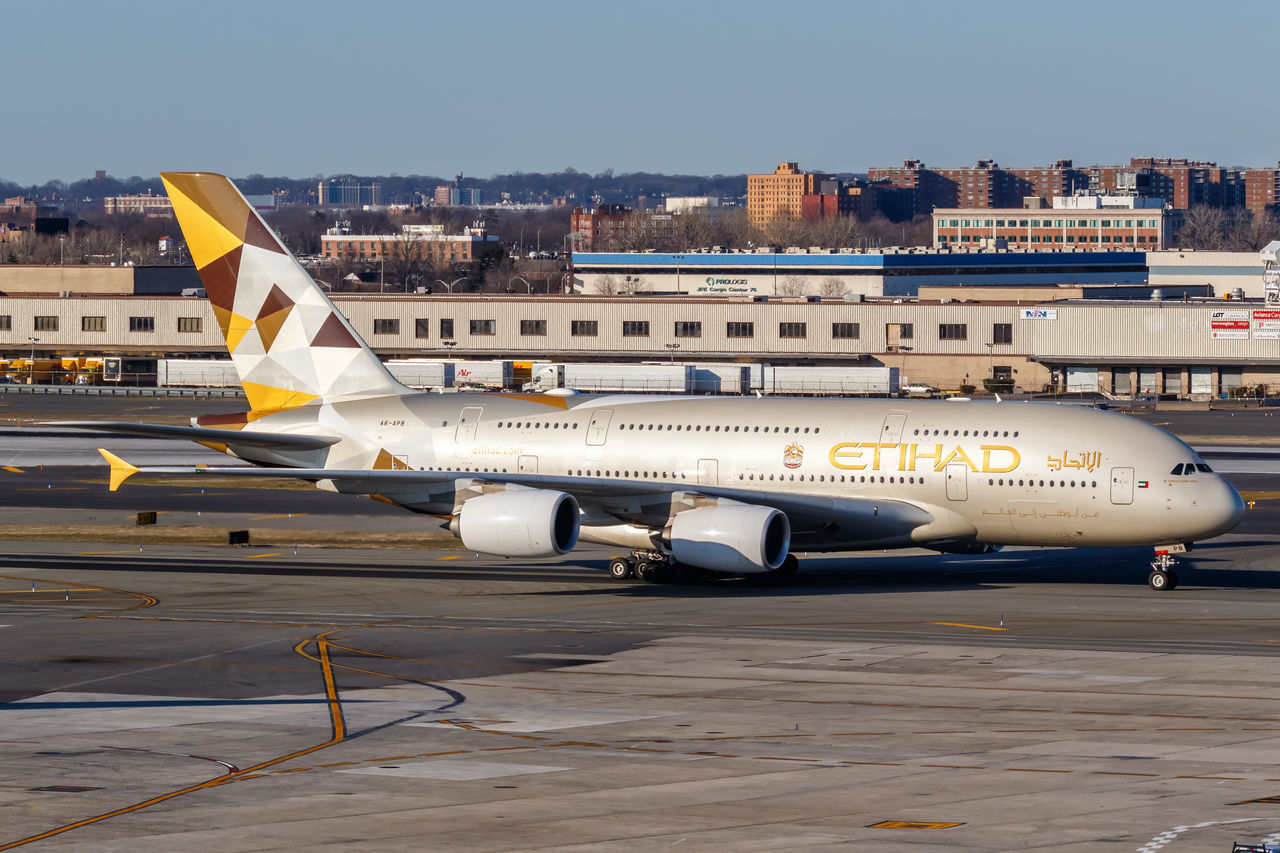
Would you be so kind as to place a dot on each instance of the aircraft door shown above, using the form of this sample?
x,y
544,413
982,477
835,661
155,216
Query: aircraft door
x,y
957,482
598,429
1122,486
708,472
528,464
891,432
467,423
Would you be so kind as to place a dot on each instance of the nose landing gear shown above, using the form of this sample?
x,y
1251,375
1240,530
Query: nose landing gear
x,y
1163,577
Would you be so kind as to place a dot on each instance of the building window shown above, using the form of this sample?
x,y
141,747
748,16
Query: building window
x,y
422,328
142,324
6,322
1002,333
484,327
740,330
635,328
191,324
584,328
386,327
93,324
847,331
688,329
533,327
46,324
953,332
792,330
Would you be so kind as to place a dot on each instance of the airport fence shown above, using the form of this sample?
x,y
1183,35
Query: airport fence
x,y
116,391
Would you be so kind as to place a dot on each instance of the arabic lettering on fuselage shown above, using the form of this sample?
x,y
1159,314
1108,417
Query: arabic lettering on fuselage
x,y
873,456
1085,460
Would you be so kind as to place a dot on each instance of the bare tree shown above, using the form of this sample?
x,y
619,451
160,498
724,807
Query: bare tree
x,y
406,257
792,285
1203,227
832,286
606,284
631,285
1249,231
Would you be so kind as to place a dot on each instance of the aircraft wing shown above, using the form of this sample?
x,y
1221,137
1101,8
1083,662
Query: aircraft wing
x,y
857,521
242,438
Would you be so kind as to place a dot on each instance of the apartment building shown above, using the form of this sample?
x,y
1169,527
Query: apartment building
x,y
780,195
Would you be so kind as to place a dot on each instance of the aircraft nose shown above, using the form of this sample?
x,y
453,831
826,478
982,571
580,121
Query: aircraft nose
x,y
1220,509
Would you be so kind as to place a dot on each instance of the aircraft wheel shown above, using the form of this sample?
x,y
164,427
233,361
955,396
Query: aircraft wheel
x,y
621,568
649,572
1160,581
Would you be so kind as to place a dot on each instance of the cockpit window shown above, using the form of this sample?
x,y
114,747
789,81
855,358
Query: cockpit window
x,y
1177,470
1203,468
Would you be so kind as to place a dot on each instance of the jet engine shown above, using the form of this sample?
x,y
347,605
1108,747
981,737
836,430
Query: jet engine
x,y
741,539
518,523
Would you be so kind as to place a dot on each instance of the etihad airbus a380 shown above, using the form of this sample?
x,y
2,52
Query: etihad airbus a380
x,y
731,485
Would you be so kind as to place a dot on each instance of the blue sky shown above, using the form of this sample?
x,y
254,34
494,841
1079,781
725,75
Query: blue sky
x,y
284,87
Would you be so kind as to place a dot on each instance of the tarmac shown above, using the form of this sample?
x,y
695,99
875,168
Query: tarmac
x,y
155,697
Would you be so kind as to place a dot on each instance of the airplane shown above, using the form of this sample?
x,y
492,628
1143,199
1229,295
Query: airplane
x,y
724,486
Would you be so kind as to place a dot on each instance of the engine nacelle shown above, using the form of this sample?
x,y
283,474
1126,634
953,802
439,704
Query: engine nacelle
x,y
739,539
519,523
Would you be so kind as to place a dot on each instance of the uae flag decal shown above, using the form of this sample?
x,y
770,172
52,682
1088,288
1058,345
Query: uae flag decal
x,y
1142,484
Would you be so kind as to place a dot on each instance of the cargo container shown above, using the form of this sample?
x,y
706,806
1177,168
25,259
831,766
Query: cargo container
x,y
196,373
837,381
724,378
494,375
421,373
637,378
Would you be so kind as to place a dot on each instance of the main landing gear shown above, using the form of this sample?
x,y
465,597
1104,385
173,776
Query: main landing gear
x,y
1162,576
648,566
656,567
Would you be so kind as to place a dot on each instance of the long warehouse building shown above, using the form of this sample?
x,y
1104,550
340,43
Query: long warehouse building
x,y
1195,347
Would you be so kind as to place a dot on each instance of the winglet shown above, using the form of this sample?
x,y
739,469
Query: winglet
x,y
120,470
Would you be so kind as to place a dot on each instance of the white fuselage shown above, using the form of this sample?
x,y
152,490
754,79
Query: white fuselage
x,y
993,473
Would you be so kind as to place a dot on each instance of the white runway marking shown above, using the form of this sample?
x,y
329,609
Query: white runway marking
x,y
1169,835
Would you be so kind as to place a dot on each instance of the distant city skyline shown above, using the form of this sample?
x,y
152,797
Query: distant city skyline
x,y
322,88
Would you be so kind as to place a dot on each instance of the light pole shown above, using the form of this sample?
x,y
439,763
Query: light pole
x,y
671,348
991,365
31,380
450,284
62,246
520,278
903,368
449,345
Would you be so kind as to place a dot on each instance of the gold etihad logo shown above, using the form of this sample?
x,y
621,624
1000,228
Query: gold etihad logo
x,y
872,456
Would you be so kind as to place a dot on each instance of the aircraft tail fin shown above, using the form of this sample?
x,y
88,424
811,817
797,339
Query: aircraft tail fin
x,y
289,344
